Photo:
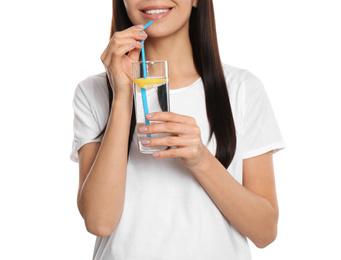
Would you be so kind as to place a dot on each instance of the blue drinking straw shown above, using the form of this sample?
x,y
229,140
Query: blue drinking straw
x,y
143,90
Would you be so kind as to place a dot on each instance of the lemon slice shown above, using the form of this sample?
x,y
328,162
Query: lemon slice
x,y
150,82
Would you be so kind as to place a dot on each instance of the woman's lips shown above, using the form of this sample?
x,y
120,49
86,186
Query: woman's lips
x,y
156,12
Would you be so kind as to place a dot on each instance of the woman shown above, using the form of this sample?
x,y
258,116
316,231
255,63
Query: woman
x,y
215,187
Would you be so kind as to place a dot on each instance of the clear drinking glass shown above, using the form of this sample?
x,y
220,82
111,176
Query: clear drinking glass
x,y
151,94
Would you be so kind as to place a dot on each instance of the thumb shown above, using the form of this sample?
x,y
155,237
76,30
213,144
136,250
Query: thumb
x,y
134,54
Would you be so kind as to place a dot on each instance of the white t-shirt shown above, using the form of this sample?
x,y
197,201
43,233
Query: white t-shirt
x,y
167,214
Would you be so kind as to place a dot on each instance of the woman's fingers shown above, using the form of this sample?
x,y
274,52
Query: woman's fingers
x,y
172,128
117,63
123,42
171,117
134,54
118,49
173,123
185,141
187,154
172,141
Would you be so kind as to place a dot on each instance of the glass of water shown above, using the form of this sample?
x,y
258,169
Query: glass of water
x,y
151,94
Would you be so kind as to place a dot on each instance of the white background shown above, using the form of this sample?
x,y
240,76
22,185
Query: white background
x,y
47,47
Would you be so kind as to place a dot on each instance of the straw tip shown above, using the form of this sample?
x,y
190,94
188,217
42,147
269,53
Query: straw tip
x,y
147,24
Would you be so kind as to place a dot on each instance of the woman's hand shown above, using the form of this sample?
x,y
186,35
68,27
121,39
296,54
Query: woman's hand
x,y
119,65
185,140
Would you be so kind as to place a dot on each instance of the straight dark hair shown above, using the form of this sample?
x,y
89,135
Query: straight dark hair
x,y
202,33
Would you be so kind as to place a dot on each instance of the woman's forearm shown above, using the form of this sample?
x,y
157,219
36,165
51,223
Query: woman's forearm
x,y
101,198
250,213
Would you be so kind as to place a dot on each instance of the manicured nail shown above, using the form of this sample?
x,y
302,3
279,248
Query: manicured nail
x,y
145,142
143,129
140,44
143,34
132,44
139,26
151,115
156,155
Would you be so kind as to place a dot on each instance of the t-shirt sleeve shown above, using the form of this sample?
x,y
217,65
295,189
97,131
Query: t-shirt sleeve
x,y
85,126
260,132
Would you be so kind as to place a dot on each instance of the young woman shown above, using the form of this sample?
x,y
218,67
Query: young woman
x,y
215,187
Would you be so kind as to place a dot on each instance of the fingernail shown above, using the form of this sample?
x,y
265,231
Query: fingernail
x,y
143,129
132,44
139,26
156,155
143,34
140,44
151,115
145,142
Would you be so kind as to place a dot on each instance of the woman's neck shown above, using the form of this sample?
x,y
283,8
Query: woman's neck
x,y
177,50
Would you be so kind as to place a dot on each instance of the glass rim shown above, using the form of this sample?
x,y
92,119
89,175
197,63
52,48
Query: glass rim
x,y
150,61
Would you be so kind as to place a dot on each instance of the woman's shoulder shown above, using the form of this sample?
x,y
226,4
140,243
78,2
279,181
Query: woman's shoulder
x,y
238,79
94,90
94,84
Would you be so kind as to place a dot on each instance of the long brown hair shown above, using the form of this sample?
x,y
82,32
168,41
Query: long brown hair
x,y
207,61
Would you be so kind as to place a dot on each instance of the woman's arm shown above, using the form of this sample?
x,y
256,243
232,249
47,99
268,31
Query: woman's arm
x,y
102,171
251,207
103,167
